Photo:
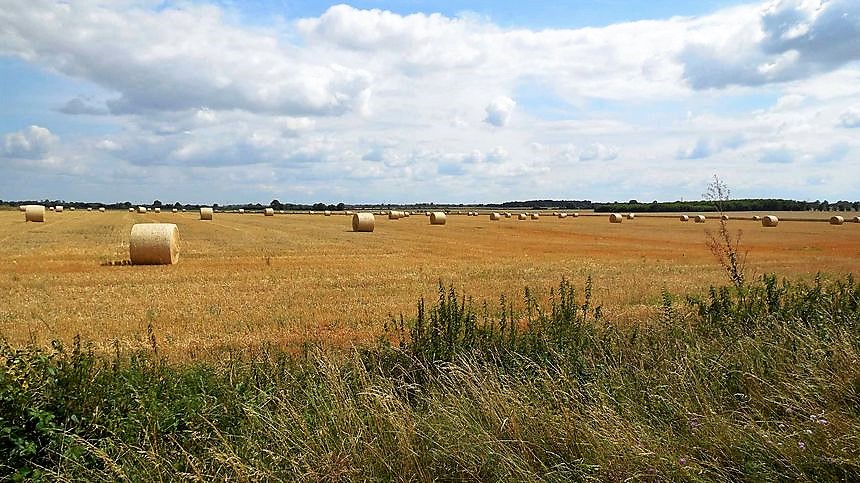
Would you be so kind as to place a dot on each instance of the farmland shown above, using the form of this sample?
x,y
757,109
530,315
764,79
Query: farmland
x,y
247,280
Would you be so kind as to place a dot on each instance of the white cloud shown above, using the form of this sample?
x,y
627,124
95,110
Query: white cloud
x,y
850,118
499,111
32,142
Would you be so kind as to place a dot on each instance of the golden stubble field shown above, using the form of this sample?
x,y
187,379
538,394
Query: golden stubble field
x,y
245,280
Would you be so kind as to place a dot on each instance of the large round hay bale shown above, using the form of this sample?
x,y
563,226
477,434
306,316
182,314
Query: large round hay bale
x,y
102,209
438,218
174,210
363,222
268,212
575,215
241,211
495,217
394,215
131,210
535,216
507,215
699,218
631,216
206,213
34,213
837,220
141,209
769,221
154,244
522,216
58,208
53,208
756,218
157,210
615,218
89,209
327,213
856,219
562,215
71,208
685,218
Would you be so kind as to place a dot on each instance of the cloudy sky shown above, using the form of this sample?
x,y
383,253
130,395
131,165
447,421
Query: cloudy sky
x,y
427,100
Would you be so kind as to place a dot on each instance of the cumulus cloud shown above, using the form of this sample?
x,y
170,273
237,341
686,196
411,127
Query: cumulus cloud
x,y
850,118
499,111
33,142
176,58
779,41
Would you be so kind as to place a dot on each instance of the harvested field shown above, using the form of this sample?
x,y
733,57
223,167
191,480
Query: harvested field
x,y
244,281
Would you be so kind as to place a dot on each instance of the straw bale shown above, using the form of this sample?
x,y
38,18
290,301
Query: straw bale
x,y
58,208
685,218
615,218
154,244
522,216
769,221
756,218
34,213
495,216
837,220
101,209
699,218
206,213
141,209
363,222
268,212
535,216
438,218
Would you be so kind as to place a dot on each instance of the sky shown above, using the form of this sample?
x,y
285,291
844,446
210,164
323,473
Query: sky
x,y
420,101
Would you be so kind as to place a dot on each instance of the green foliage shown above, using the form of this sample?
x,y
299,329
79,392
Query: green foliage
x,y
755,383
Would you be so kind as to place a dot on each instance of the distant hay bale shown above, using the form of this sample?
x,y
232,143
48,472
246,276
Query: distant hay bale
x,y
174,210
507,215
22,208
562,215
522,216
837,220
856,219
363,222
154,244
404,214
724,217
756,218
615,218
555,213
438,218
89,209
426,213
52,208
535,216
769,221
58,208
141,209
241,211
131,210
35,213
685,218
575,215
102,209
268,212
495,216
631,216
699,218
157,210
393,215
327,213
71,208
206,213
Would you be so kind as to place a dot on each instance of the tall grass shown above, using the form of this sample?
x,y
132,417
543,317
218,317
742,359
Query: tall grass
x,y
756,383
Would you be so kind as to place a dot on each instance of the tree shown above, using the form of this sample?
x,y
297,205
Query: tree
x,y
156,204
276,205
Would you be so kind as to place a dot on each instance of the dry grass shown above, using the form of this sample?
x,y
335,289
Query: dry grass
x,y
243,281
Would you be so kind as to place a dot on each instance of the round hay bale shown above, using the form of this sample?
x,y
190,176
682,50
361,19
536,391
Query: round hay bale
x,y
268,212
131,210
141,209
699,218
22,208
52,208
241,211
174,210
426,213
495,216
724,217
615,218
363,222
206,213
756,218
102,209
71,208
89,209
769,221
575,215
58,208
631,216
154,244
535,216
554,213
836,220
522,216
856,219
562,215
438,218
507,215
394,215
157,210
327,213
35,213
685,218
